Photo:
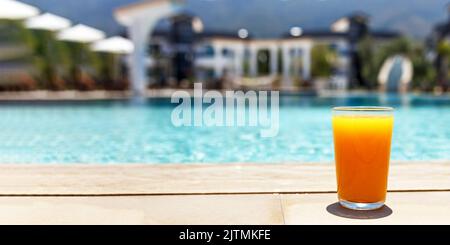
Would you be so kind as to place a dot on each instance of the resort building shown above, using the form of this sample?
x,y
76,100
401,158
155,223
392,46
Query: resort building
x,y
175,46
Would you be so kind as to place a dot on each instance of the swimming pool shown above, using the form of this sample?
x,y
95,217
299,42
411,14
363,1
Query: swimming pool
x,y
121,131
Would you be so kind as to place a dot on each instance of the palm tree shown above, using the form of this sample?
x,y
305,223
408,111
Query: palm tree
x,y
443,51
49,54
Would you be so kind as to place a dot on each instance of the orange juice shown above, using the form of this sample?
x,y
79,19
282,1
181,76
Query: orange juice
x,y
362,143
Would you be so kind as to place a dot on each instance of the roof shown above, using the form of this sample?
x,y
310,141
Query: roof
x,y
204,34
317,33
331,34
442,29
310,34
220,34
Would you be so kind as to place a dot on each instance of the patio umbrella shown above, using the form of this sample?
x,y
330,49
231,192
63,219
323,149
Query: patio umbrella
x,y
81,34
13,10
48,22
116,45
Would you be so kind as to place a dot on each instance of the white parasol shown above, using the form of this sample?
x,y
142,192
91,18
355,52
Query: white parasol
x,y
116,45
47,21
14,10
81,34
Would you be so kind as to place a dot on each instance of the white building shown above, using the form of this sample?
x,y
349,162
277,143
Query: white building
x,y
186,51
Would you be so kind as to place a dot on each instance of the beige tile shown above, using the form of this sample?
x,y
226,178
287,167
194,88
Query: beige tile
x,y
214,178
196,178
204,209
403,208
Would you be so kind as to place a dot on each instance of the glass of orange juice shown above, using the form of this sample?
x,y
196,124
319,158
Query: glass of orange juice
x,y
362,144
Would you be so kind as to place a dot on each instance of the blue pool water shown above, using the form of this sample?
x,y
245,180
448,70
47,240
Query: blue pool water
x,y
129,132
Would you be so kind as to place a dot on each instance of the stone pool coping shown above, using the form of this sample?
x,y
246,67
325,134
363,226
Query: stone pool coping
x,y
419,193
159,179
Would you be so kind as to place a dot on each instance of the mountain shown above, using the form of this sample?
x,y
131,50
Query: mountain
x,y
269,18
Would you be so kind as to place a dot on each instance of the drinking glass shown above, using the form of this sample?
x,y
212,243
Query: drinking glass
x,y
362,143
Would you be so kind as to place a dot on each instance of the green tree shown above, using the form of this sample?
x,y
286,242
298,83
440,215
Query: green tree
x,y
83,63
49,56
107,66
424,74
263,62
444,48
323,59
370,64
17,49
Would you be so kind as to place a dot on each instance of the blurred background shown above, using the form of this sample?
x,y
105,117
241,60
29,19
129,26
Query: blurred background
x,y
311,45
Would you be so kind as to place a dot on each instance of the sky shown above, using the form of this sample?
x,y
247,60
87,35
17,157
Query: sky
x,y
270,18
